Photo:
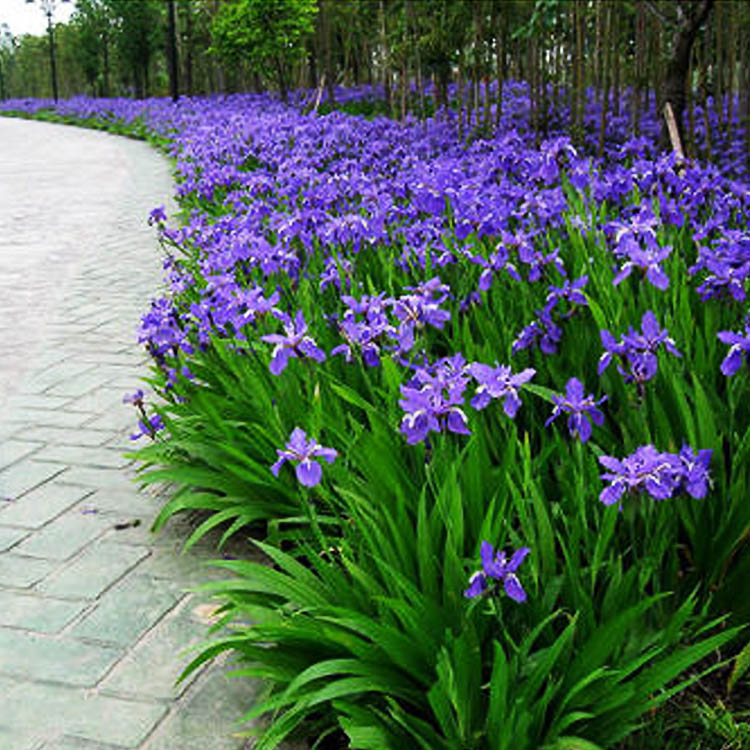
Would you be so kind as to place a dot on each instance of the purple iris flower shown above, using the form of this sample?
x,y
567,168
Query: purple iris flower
x,y
570,291
543,331
637,243
651,338
149,426
498,382
727,259
645,469
358,337
363,335
254,302
294,343
158,216
493,265
134,398
420,308
582,409
637,349
302,451
648,259
433,400
695,476
332,274
660,474
498,567
739,349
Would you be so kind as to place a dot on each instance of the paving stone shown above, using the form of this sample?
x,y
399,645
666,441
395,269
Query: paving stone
x,y
14,450
13,740
81,384
67,436
128,382
100,400
35,401
10,537
73,743
151,669
53,375
36,508
22,572
122,419
41,657
40,614
24,476
63,537
93,571
169,564
82,714
129,503
48,418
131,529
208,719
128,609
70,455
85,476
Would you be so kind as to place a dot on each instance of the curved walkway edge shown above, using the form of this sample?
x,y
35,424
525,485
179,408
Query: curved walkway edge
x,y
95,611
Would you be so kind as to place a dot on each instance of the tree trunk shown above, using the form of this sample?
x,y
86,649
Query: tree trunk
x,y
691,16
577,130
605,71
703,87
499,27
744,96
718,64
174,86
601,35
616,71
414,43
105,54
312,64
189,45
533,96
325,20
386,57
281,75
460,97
733,23
690,104
639,66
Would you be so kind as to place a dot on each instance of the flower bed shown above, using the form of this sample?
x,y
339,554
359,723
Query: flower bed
x,y
479,403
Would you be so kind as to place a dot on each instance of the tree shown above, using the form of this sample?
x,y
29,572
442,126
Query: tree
x,y
92,21
689,17
172,62
138,36
6,56
269,34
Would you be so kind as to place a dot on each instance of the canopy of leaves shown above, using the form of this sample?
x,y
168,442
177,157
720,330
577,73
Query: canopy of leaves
x,y
264,33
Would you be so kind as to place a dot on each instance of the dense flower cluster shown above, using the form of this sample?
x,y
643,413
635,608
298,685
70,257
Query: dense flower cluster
x,y
342,241
660,474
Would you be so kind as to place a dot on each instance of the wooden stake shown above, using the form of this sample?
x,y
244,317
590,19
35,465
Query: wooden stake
x,y
674,137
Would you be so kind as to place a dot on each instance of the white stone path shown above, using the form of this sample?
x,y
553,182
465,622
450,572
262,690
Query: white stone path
x,y
91,615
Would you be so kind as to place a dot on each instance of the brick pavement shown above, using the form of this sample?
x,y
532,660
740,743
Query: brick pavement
x,y
92,616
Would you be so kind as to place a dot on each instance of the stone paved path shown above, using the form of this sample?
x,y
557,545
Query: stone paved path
x,y
91,617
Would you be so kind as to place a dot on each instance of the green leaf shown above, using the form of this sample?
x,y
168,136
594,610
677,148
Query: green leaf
x,y
740,667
